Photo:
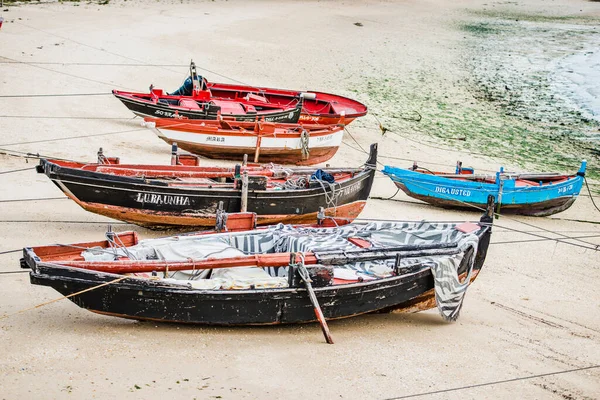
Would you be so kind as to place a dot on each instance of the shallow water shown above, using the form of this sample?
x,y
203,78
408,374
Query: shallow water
x,y
577,81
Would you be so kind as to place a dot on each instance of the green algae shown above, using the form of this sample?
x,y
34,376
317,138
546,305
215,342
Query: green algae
x,y
486,130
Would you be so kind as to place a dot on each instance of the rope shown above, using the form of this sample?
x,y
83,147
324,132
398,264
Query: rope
x,y
65,297
20,271
98,64
394,195
91,249
10,251
330,200
542,240
33,221
72,137
26,155
16,170
63,117
122,56
358,144
590,193
305,150
578,220
400,201
564,237
71,75
10,96
493,383
511,219
41,198
87,45
362,150
385,130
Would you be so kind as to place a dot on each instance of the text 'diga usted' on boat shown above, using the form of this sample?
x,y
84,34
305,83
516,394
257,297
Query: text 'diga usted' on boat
x,y
262,276
186,194
535,194
199,99
300,144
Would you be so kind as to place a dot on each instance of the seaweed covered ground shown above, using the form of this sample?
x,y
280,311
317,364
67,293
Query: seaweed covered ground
x,y
525,92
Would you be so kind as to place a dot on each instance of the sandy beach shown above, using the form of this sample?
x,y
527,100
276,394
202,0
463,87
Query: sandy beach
x,y
533,310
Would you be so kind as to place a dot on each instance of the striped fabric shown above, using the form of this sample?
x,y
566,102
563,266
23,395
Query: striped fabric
x,y
449,291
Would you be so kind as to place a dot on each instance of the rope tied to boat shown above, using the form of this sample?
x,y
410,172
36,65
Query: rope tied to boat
x,y
221,222
115,247
330,199
66,297
304,137
590,193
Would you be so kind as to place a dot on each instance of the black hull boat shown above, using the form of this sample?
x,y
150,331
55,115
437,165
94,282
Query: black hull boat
x,y
258,277
199,99
165,106
189,195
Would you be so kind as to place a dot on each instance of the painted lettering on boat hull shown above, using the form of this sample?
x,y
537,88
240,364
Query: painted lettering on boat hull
x,y
153,198
453,191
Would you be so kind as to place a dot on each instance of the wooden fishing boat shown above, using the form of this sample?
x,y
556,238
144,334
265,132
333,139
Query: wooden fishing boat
x,y
268,142
536,194
188,195
273,275
158,104
199,99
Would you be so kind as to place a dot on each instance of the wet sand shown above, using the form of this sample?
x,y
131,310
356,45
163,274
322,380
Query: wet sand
x,y
534,309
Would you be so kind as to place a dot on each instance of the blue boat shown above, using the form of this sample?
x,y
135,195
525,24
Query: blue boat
x,y
537,194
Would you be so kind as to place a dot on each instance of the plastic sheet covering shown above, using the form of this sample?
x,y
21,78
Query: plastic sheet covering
x,y
248,278
170,249
195,248
285,238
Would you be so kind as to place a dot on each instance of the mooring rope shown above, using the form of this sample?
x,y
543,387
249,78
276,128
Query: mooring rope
x,y
72,137
590,193
126,57
17,170
504,216
87,45
543,239
65,117
358,144
38,199
27,155
10,251
72,75
362,150
562,239
38,221
9,96
65,297
97,64
492,383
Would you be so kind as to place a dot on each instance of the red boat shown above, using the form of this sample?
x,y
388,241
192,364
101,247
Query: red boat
x,y
200,99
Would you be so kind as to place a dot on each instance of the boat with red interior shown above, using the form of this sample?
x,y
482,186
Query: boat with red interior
x,y
187,194
200,99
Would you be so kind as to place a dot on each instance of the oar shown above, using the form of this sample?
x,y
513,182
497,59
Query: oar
x,y
303,272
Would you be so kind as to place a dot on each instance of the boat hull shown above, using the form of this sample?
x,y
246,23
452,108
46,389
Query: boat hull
x,y
463,194
279,148
537,209
144,299
155,204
